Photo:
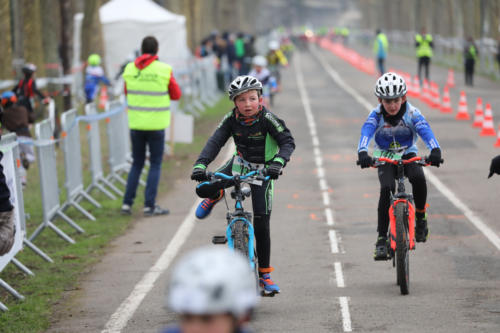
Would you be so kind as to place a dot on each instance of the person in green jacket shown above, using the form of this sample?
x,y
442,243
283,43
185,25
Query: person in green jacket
x,y
424,46
380,47
470,57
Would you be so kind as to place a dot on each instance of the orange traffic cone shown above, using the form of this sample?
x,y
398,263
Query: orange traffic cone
x,y
463,113
103,98
478,114
497,144
434,100
416,87
409,86
446,107
425,92
451,78
488,128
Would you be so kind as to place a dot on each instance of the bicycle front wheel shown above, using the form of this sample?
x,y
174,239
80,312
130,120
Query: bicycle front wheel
x,y
402,248
240,237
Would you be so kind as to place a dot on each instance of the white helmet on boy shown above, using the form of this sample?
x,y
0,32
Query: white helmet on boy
x,y
243,84
274,45
212,280
259,60
390,86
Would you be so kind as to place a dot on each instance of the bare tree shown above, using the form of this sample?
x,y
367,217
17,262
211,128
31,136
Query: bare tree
x,y
5,40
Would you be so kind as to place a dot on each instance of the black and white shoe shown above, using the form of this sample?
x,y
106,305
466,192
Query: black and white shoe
x,y
155,211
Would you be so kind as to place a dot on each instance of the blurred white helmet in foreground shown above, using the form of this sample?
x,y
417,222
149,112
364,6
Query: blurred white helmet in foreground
x,y
212,280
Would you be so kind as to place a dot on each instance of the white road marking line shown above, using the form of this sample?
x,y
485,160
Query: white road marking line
x,y
339,276
346,316
329,217
326,199
318,160
322,184
450,195
317,152
127,308
321,172
333,241
315,141
471,216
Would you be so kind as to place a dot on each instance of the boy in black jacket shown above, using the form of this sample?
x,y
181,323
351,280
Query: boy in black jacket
x,y
262,141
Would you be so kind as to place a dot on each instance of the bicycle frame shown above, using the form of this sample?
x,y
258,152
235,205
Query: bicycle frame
x,y
239,214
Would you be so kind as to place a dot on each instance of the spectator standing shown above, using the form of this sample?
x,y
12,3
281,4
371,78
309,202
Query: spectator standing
x,y
149,86
470,57
7,227
380,48
239,51
424,46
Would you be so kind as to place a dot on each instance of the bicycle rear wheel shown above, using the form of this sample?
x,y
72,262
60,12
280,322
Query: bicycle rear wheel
x,y
402,248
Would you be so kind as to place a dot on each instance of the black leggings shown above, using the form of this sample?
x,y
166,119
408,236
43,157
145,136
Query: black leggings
x,y
425,62
262,198
386,175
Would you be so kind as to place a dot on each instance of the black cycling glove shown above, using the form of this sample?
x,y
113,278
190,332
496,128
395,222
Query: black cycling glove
x,y
274,170
199,174
435,157
495,166
364,160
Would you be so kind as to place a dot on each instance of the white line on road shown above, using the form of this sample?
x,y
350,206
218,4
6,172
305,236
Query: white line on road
x,y
326,199
339,276
323,186
334,245
329,217
125,311
346,316
127,308
445,191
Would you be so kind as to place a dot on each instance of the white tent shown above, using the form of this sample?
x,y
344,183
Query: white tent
x,y
125,23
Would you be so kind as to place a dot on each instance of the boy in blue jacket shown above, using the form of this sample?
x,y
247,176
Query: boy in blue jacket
x,y
396,124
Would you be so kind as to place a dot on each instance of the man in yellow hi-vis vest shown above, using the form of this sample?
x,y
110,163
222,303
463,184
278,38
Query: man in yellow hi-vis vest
x,y
149,86
424,46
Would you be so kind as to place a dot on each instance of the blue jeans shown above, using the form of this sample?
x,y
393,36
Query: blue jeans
x,y
155,140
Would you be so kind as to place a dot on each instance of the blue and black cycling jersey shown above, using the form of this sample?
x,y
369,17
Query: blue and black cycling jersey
x,y
401,131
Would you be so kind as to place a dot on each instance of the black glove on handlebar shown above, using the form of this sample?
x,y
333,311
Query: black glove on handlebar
x,y
495,166
274,170
199,174
435,157
364,160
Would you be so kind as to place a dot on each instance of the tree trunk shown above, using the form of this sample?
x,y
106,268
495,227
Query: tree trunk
x,y
92,39
33,50
5,39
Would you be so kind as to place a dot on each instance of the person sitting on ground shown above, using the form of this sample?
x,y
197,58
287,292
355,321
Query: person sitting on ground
x,y
94,75
15,119
213,290
262,142
396,124
26,89
260,71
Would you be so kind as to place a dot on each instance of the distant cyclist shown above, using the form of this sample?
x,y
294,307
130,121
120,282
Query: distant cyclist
x,y
269,83
26,90
395,123
94,75
262,141
276,59
213,291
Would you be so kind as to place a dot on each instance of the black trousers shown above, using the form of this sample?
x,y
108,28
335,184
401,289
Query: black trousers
x,y
469,71
262,197
423,62
386,175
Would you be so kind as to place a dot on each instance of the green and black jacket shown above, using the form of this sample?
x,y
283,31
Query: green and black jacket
x,y
268,139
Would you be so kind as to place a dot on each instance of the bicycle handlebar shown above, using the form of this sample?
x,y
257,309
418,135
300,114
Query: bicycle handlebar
x,y
256,174
417,159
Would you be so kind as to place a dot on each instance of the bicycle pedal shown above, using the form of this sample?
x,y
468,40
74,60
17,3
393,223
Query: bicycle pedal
x,y
219,240
382,258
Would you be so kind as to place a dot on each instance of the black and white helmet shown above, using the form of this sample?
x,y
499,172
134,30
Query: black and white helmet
x,y
243,84
390,86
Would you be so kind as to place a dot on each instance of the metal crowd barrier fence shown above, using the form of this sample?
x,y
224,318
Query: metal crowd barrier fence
x,y
98,181
118,163
47,168
73,165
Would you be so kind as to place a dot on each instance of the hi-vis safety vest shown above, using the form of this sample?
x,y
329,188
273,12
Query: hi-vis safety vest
x,y
148,100
424,48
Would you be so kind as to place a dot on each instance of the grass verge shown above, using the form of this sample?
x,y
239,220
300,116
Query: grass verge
x,y
43,292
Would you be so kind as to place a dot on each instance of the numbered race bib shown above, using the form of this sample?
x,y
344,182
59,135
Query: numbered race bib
x,y
242,167
388,154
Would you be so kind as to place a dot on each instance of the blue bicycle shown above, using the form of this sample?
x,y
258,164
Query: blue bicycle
x,y
239,230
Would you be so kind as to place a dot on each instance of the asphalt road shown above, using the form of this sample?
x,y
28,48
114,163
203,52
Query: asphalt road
x,y
324,228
